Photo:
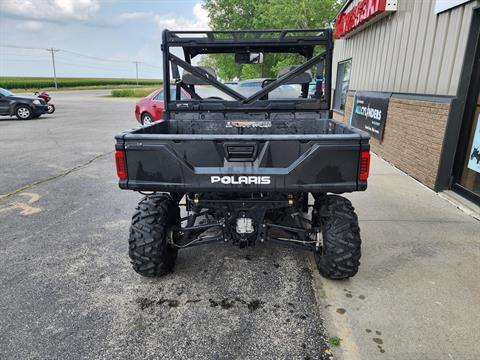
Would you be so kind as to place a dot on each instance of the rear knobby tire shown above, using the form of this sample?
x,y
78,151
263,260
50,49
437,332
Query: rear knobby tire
x,y
152,221
339,258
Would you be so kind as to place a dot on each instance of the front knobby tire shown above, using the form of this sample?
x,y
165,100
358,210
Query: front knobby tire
x,y
149,251
339,257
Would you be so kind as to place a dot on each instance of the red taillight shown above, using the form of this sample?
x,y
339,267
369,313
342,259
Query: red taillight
x,y
364,165
121,167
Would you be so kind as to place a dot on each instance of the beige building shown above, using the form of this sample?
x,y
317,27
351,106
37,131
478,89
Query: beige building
x,y
416,64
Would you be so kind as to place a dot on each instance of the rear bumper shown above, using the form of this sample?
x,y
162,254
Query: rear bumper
x,y
277,187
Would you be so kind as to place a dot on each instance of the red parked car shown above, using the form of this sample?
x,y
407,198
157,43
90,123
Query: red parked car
x,y
150,108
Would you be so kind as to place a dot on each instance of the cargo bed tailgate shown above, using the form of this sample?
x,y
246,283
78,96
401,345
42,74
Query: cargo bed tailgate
x,y
253,163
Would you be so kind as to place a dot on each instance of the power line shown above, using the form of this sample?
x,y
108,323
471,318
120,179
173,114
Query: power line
x,y
108,60
70,57
92,66
85,56
94,57
24,60
60,61
22,47
78,54
153,66
21,54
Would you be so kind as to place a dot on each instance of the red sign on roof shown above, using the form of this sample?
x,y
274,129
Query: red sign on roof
x,y
363,12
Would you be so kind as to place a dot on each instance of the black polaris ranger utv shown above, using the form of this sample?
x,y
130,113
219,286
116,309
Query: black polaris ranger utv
x,y
247,165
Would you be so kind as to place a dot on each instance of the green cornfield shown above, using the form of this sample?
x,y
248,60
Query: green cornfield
x,y
47,82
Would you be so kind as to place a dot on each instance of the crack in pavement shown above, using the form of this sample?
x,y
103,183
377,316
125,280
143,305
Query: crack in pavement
x,y
63,174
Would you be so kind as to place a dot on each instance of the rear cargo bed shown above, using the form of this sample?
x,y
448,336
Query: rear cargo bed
x,y
244,153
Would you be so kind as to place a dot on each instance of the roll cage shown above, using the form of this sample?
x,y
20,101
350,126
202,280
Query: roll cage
x,y
195,43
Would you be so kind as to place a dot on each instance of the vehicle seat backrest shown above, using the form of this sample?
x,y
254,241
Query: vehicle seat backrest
x,y
191,79
302,78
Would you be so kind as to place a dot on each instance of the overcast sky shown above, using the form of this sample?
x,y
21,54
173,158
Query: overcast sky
x,y
110,29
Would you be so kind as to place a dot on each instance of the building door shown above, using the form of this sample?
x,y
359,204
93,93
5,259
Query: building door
x,y
466,173
469,180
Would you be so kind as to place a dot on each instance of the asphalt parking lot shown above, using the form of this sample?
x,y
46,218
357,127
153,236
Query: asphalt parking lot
x,y
68,291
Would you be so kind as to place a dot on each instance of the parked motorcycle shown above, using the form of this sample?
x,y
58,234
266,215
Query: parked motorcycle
x,y
43,95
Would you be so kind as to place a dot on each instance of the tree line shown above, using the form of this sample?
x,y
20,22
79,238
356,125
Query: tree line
x,y
259,15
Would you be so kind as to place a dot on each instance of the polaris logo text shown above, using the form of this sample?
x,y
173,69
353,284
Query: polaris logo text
x,y
237,180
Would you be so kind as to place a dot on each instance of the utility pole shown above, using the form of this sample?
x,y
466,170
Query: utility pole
x,y
136,68
53,51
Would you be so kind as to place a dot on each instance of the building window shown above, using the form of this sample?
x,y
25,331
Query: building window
x,y
341,87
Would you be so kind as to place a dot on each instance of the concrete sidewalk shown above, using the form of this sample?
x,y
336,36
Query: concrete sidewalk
x,y
417,294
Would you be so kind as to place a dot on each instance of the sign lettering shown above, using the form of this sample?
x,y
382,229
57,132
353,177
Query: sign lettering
x,y
361,13
370,112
